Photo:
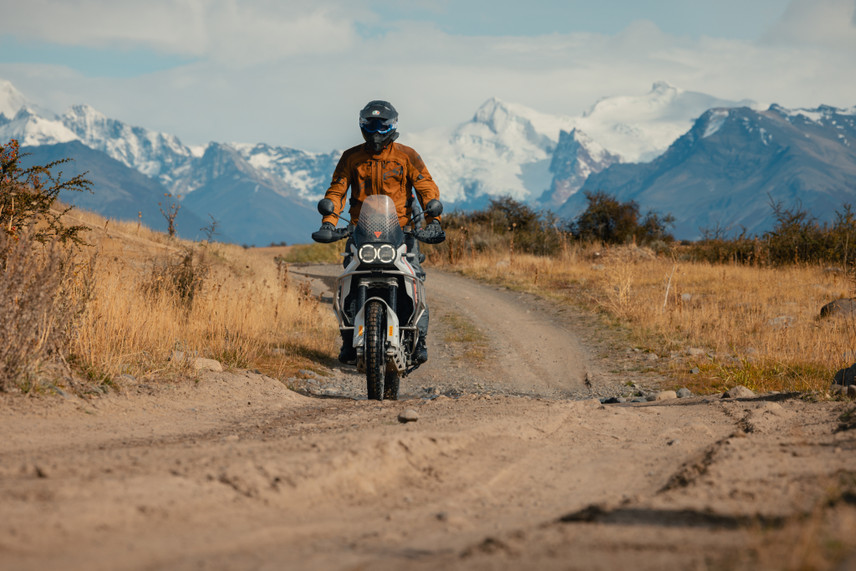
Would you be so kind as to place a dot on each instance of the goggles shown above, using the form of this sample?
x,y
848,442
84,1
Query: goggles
x,y
378,125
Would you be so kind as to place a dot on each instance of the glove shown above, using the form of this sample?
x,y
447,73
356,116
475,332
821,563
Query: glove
x,y
326,234
432,234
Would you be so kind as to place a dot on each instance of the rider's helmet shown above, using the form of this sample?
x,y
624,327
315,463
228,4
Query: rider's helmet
x,y
378,124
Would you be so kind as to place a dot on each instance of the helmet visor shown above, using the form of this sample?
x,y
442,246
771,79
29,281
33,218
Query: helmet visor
x,y
378,125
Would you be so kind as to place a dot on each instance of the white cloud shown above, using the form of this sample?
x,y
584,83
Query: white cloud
x,y
829,23
233,32
288,73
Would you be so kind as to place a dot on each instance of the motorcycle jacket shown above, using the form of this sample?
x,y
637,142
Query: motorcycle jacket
x,y
395,172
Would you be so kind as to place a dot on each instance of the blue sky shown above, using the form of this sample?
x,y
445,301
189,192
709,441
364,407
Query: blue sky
x,y
295,73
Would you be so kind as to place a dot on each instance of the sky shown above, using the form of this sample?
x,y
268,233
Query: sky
x,y
296,72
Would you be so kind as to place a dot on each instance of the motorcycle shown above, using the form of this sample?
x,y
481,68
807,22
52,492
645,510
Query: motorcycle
x,y
379,297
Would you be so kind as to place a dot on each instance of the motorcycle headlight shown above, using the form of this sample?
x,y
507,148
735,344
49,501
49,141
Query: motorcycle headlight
x,y
367,253
386,254
371,254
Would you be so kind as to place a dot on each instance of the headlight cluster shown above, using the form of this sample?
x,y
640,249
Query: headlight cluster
x,y
371,254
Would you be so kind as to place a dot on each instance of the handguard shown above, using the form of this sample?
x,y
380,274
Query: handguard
x,y
431,234
328,235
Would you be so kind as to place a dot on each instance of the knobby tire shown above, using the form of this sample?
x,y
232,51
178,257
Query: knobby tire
x,y
375,349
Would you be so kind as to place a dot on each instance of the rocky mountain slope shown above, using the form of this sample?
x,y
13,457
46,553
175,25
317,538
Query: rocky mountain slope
x,y
725,171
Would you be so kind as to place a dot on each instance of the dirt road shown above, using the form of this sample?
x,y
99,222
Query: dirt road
x,y
512,463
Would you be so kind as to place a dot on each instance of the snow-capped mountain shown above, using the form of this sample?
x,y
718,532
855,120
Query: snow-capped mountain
x,y
511,150
576,157
11,100
158,155
714,162
723,173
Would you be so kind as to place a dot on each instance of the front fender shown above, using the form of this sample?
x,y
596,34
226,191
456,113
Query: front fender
x,y
392,326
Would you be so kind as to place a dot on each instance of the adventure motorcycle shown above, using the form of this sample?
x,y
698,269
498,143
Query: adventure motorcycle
x,y
380,298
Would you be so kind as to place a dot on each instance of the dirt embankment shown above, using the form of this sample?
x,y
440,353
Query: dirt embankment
x,y
512,463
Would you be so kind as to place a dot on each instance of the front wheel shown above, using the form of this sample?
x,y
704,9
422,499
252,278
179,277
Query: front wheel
x,y
391,382
375,349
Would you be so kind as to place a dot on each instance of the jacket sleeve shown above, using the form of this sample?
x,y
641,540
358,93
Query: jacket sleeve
x,y
426,188
338,190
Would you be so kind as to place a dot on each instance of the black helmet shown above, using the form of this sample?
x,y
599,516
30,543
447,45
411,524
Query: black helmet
x,y
378,123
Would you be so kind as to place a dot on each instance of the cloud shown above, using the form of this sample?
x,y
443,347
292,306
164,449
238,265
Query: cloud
x,y
828,23
233,32
289,73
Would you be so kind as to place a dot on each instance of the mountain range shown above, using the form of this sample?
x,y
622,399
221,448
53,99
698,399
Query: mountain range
x,y
707,161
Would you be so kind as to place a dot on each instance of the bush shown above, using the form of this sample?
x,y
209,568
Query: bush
x,y
612,222
796,238
28,197
40,297
38,307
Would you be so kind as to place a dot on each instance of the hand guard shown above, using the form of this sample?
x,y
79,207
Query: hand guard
x,y
325,234
431,234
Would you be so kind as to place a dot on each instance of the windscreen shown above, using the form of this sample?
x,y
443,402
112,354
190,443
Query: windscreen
x,y
378,222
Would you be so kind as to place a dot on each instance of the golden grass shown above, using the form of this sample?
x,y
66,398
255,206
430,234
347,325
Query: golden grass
x,y
244,311
754,326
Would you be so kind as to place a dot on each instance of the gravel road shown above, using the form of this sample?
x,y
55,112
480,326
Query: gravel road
x,y
507,459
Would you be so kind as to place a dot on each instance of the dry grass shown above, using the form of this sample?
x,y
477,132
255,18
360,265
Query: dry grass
x,y
147,296
745,325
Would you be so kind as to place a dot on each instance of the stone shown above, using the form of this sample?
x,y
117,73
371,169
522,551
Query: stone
x,y
781,322
695,371
202,364
851,391
408,415
696,352
684,393
844,307
738,392
666,395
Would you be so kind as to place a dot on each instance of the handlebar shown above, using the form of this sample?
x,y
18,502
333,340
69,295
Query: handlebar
x,y
327,236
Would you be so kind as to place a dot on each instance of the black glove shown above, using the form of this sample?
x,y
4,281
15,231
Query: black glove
x,y
431,234
326,234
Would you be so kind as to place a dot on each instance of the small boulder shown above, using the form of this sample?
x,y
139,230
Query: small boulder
x,y
408,415
201,364
738,392
666,395
844,306
684,393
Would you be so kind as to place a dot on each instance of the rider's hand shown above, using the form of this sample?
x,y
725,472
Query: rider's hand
x,y
432,234
326,234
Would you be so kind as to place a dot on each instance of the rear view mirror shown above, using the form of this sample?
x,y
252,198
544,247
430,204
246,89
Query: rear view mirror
x,y
325,207
434,208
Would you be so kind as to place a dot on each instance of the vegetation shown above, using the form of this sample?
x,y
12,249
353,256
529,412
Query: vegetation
x,y
718,312
86,303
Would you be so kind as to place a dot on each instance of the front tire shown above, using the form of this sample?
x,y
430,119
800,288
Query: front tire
x,y
391,382
375,349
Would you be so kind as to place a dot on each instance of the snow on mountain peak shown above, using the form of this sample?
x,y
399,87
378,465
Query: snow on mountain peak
x,y
11,100
30,129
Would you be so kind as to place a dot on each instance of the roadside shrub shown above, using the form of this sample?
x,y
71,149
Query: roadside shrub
x,y
505,224
607,220
28,198
40,300
796,238
43,291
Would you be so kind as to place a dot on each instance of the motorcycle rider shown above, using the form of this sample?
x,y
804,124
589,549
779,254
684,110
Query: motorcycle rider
x,y
382,166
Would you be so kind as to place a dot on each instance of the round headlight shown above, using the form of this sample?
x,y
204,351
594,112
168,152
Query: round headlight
x,y
386,254
367,253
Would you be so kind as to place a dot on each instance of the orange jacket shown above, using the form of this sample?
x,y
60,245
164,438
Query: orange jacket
x,y
394,172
